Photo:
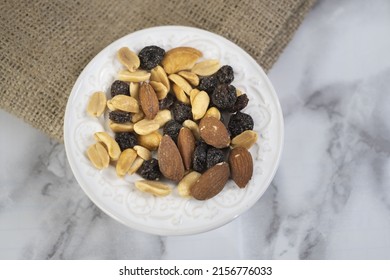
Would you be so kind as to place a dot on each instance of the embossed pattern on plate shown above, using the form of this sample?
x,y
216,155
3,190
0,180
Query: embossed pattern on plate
x,y
172,215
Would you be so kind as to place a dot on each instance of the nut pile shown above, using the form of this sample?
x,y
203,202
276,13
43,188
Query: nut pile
x,y
174,117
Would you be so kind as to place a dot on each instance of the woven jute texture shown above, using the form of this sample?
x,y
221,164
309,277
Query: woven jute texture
x,y
45,44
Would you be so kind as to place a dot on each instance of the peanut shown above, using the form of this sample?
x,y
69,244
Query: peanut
x,y
112,146
128,59
137,76
206,67
97,104
125,103
125,160
153,187
98,155
246,139
145,126
200,105
185,184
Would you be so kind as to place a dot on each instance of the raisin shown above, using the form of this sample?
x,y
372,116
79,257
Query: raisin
x,y
126,140
239,122
119,116
214,156
149,170
240,104
199,162
119,87
181,112
224,96
150,57
167,102
172,128
208,84
225,74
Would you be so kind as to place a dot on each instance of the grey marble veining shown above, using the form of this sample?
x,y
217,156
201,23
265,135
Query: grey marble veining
x,y
330,198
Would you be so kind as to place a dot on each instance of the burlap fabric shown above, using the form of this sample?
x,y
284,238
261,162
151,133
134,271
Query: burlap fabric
x,y
45,44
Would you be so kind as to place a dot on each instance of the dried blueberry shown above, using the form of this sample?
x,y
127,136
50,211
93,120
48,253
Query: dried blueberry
x,y
208,84
224,96
126,140
172,128
199,162
149,170
240,122
181,112
214,156
225,74
240,104
119,116
119,87
167,102
150,57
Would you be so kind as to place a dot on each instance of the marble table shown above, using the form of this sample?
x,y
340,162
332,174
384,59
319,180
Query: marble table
x,y
330,198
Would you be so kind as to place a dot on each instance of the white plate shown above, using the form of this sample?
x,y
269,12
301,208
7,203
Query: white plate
x,y
172,215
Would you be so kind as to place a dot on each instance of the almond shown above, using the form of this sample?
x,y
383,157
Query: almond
x,y
186,145
148,100
211,182
181,58
214,132
169,159
241,166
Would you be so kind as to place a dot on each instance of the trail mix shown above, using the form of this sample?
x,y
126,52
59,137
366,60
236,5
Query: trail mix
x,y
176,118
